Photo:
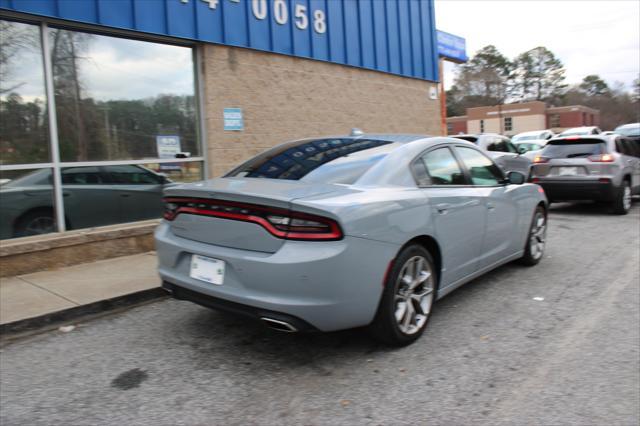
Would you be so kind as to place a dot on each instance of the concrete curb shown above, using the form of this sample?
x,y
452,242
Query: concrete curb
x,y
28,326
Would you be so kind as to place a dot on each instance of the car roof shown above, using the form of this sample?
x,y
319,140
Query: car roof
x,y
604,138
390,137
577,129
628,125
532,132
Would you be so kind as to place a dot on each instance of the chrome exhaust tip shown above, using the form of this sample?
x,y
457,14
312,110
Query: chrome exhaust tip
x,y
279,325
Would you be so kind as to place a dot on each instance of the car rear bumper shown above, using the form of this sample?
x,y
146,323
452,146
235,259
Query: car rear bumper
x,y
323,285
577,190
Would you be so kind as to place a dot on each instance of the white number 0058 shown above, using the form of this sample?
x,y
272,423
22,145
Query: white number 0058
x,y
281,14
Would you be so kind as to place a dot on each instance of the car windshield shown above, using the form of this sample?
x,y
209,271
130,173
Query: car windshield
x,y
529,146
526,138
38,177
628,130
323,160
574,149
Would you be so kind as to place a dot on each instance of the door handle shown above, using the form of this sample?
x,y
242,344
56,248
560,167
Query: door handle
x,y
443,208
65,194
125,195
490,206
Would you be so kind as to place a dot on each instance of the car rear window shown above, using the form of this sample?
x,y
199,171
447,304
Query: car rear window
x,y
574,149
321,160
628,130
472,139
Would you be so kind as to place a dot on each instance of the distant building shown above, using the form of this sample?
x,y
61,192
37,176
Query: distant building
x,y
511,119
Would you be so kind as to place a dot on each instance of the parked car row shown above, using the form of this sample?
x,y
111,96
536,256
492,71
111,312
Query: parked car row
x,y
581,163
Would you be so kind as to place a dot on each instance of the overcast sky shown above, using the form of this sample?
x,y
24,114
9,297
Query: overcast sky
x,y
589,36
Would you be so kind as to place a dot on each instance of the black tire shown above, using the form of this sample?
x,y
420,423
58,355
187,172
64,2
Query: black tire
x,y
531,257
620,205
24,226
385,327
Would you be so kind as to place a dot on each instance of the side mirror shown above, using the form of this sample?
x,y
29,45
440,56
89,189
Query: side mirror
x,y
516,178
522,149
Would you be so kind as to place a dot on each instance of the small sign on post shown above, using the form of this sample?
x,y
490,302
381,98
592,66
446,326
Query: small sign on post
x,y
233,119
168,147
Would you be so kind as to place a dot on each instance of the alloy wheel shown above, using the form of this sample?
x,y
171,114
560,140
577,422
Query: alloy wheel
x,y
538,236
626,197
40,225
414,294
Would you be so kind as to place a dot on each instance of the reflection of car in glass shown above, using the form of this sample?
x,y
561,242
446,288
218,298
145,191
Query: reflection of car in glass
x,y
581,131
501,150
93,196
593,167
328,234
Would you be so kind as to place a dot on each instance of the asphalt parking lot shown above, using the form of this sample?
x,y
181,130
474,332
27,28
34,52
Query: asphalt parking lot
x,y
494,353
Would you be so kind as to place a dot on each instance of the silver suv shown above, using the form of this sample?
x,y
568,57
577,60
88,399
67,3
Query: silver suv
x,y
591,167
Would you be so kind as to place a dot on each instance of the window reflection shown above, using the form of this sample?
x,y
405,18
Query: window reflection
x,y
114,96
23,112
26,203
110,194
323,160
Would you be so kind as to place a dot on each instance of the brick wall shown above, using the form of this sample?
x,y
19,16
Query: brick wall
x,y
284,98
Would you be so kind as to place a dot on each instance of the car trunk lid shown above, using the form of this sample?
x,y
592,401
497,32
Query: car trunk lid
x,y
232,199
573,158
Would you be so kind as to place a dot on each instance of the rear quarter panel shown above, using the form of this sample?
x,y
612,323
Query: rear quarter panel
x,y
393,215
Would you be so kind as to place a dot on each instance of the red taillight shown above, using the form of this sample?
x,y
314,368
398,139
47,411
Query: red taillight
x,y
601,158
280,223
540,159
535,180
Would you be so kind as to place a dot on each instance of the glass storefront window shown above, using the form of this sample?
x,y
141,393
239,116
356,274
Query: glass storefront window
x,y
116,100
23,106
115,96
26,203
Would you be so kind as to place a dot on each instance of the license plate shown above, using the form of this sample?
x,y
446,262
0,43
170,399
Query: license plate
x,y
568,171
207,269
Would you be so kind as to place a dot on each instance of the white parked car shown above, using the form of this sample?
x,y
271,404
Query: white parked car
x,y
581,131
536,135
501,150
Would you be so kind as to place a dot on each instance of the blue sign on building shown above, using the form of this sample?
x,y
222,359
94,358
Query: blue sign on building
x,y
395,36
233,119
452,47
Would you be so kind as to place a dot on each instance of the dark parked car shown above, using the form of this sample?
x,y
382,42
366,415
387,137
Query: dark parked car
x,y
93,196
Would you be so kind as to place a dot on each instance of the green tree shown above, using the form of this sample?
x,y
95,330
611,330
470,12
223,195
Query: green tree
x,y
593,85
485,79
538,75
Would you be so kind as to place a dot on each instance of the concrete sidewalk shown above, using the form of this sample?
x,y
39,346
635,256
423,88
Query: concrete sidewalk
x,y
45,293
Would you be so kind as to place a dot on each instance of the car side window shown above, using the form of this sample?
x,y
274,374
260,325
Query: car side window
x,y
81,176
483,171
620,146
497,145
132,175
511,147
443,168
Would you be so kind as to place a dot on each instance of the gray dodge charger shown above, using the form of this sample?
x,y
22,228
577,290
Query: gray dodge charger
x,y
348,231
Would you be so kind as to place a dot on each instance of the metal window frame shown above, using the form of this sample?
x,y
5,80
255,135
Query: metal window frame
x,y
55,165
